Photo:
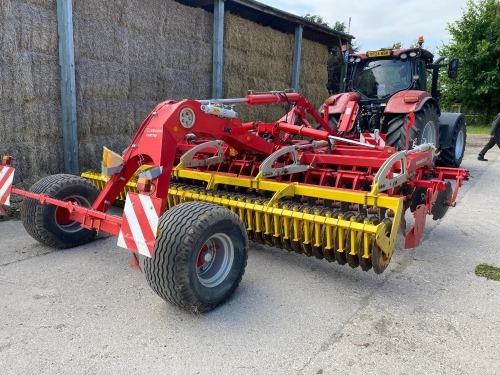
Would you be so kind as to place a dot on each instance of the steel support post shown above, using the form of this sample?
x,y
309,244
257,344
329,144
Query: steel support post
x,y
218,49
68,86
297,52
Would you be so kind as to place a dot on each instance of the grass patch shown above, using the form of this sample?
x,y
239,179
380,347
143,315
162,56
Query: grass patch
x,y
488,271
485,130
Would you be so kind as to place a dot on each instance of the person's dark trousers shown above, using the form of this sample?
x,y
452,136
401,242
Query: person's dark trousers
x,y
488,146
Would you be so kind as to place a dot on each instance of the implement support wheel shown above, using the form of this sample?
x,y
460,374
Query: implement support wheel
x,y
199,256
51,225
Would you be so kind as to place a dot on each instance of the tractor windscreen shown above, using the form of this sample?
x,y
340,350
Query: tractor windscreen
x,y
381,78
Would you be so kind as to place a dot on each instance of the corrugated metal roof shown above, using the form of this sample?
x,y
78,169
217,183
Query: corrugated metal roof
x,y
276,19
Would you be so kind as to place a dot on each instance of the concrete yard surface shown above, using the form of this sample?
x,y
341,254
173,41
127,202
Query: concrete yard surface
x,y
85,311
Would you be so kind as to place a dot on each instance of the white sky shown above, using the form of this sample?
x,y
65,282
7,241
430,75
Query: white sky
x,y
377,24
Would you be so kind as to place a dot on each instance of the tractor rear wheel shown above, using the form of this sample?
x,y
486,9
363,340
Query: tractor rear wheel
x,y
424,130
452,156
199,256
50,224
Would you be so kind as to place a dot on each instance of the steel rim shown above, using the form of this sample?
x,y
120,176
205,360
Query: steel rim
x,y
429,133
62,215
215,260
459,145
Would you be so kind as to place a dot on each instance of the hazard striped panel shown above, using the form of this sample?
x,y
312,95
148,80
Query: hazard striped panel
x,y
139,223
372,139
6,178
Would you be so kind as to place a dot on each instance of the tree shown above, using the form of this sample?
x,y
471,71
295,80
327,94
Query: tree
x,y
476,42
316,19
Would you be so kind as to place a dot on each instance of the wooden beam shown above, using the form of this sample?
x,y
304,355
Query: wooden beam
x,y
68,86
297,53
218,49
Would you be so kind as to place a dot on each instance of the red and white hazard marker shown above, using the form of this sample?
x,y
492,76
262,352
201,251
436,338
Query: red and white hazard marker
x,y
140,223
374,139
6,178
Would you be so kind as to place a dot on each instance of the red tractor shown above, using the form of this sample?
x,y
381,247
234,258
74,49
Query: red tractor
x,y
386,101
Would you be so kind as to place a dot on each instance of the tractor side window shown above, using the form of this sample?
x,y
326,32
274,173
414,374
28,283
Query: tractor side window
x,y
381,78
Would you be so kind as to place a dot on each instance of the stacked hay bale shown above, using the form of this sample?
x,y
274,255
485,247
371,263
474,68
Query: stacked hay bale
x,y
129,56
256,58
260,58
29,87
314,72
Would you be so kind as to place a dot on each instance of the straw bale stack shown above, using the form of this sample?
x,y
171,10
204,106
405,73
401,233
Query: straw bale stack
x,y
260,58
314,72
129,55
256,58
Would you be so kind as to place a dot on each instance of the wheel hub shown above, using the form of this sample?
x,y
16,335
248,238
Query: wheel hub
x,y
215,259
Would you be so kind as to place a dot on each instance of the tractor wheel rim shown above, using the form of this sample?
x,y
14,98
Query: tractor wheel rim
x,y
215,260
459,145
62,216
429,133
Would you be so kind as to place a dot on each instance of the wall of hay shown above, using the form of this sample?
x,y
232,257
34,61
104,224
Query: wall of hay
x,y
260,58
255,58
314,72
129,55
29,87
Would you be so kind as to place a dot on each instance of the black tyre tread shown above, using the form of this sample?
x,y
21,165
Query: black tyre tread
x,y
180,228
333,121
396,131
447,155
32,211
396,136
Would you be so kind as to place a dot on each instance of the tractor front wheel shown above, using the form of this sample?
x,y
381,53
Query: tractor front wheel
x,y
424,130
52,225
199,256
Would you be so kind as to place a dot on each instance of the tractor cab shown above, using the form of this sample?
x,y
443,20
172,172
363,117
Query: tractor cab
x,y
378,75
392,96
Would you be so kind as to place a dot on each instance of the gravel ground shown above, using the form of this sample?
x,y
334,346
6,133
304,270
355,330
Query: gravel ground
x,y
85,311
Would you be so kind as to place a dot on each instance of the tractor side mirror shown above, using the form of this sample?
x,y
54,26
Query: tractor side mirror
x,y
453,68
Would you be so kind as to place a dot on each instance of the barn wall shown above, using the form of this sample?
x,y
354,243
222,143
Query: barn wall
x,y
129,55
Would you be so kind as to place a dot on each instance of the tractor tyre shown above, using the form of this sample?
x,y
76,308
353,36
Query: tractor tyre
x,y
424,130
50,224
199,256
452,156
333,121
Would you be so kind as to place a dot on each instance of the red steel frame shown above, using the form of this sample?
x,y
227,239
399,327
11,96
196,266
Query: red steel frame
x,y
160,140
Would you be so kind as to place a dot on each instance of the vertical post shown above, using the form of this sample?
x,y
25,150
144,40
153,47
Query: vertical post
x,y
218,49
68,86
343,67
297,53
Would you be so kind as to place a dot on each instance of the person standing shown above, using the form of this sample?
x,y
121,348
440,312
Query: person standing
x,y
491,142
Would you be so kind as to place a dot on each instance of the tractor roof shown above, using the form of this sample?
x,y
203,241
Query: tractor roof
x,y
382,53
